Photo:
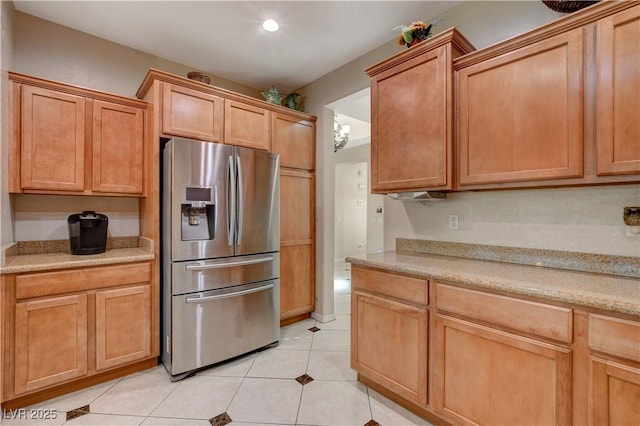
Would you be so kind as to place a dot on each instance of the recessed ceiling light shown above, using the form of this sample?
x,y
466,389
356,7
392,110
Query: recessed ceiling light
x,y
270,25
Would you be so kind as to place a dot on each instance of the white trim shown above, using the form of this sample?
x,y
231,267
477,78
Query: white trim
x,y
323,318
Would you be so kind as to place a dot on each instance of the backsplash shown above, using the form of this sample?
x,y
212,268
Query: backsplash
x,y
63,246
44,217
581,219
624,266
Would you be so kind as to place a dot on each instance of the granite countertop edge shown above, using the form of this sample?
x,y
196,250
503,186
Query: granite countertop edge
x,y
599,291
59,261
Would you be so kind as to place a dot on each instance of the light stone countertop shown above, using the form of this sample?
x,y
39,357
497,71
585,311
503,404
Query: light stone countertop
x,y
606,292
19,263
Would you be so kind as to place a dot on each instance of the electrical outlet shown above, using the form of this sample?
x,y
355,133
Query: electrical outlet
x,y
453,221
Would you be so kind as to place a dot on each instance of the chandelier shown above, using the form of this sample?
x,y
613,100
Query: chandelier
x,y
340,134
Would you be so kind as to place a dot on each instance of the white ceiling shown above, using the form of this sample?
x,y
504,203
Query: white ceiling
x,y
225,38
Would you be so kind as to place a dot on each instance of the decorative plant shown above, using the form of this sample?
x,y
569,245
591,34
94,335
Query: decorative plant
x,y
415,33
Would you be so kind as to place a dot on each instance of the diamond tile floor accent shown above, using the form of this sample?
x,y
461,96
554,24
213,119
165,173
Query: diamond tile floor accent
x,y
221,420
73,414
304,379
259,388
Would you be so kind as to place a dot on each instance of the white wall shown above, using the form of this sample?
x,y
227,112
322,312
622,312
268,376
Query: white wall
x,y
6,63
351,209
48,50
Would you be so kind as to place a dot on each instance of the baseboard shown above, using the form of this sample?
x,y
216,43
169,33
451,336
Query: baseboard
x,y
323,318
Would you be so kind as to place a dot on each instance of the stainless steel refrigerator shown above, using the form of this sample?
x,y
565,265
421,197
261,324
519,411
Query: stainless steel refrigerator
x,y
220,261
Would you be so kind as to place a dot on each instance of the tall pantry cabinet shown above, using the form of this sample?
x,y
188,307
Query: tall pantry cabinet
x,y
199,111
294,140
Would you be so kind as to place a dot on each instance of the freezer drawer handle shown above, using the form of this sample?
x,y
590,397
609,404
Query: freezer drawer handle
x,y
200,267
227,295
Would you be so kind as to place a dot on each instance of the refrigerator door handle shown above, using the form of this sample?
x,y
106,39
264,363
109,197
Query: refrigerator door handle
x,y
240,200
227,295
217,265
231,202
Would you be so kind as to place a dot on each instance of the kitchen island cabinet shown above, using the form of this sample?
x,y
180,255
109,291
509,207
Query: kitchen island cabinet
x,y
70,140
412,116
66,329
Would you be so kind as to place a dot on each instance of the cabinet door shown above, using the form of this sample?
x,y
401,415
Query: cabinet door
x,y
191,113
123,326
297,278
52,140
615,394
246,125
618,93
297,248
118,148
389,344
521,114
410,143
484,376
294,140
51,341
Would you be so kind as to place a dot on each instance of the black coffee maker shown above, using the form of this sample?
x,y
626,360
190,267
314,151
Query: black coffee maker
x,y
88,232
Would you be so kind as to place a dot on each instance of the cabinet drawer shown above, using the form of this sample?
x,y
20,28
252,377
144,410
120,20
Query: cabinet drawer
x,y
412,290
546,321
615,336
49,283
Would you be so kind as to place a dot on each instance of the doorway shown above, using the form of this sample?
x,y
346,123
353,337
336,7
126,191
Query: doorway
x,y
358,215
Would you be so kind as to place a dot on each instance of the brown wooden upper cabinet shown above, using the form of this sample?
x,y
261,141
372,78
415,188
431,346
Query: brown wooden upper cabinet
x,y
192,113
247,125
51,139
618,93
412,116
197,114
118,148
520,115
70,140
294,139
557,105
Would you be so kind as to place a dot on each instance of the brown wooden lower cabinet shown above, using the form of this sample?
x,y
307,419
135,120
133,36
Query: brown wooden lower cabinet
x,y
297,289
123,325
65,326
51,341
486,376
615,393
389,331
467,356
389,344
614,371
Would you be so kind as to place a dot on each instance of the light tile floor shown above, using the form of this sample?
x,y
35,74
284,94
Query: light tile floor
x,y
256,389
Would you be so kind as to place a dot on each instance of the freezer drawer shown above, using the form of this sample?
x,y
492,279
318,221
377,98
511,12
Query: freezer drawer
x,y
202,275
213,326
